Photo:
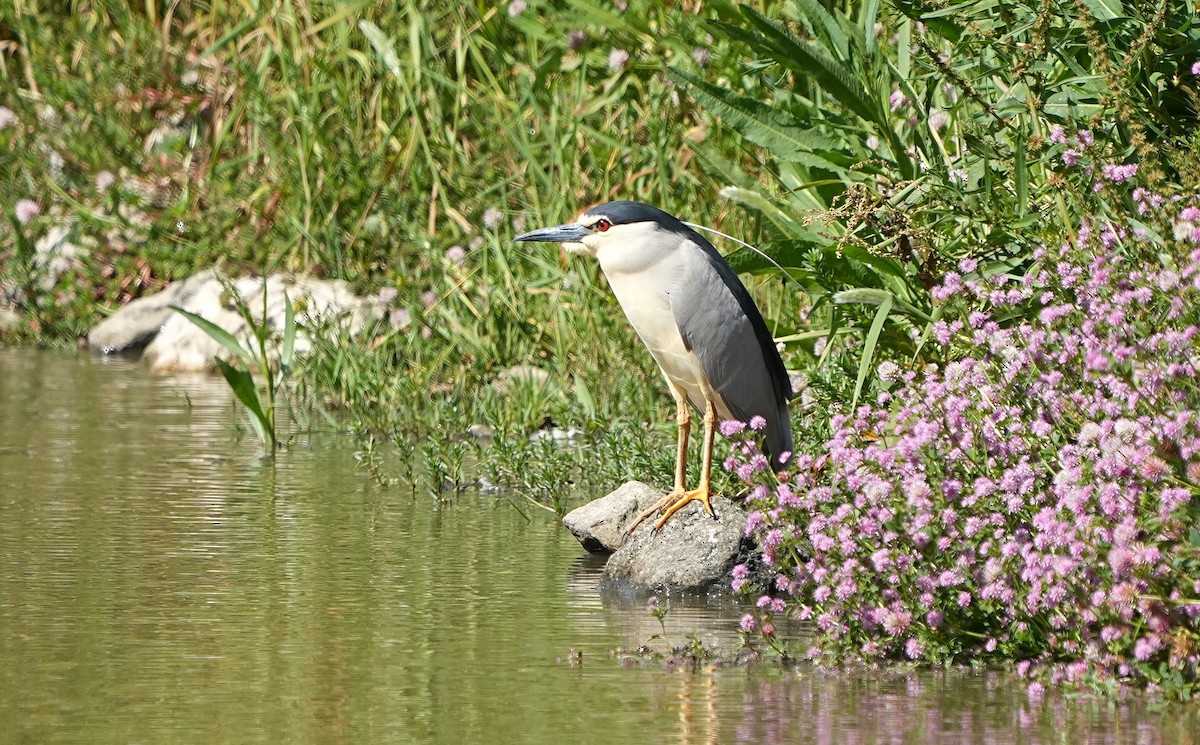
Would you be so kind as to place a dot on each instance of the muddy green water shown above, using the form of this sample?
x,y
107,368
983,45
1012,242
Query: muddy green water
x,y
159,583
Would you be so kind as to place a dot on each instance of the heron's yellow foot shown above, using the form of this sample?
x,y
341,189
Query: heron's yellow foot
x,y
672,503
701,495
659,506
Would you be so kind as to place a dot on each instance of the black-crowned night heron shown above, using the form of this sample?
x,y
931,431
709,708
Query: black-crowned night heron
x,y
699,323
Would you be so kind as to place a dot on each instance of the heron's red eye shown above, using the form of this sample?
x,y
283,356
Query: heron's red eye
x,y
603,225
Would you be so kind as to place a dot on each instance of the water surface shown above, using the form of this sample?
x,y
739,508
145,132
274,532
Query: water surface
x,y
159,582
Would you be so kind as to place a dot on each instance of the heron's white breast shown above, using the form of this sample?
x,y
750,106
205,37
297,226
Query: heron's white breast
x,y
644,291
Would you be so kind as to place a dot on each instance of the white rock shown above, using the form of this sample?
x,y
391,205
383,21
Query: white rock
x,y
173,343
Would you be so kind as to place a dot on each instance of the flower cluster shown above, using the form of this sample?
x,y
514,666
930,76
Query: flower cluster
x,y
1036,498
1083,152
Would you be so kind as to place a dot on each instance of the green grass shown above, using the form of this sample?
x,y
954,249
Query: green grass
x,y
379,142
359,141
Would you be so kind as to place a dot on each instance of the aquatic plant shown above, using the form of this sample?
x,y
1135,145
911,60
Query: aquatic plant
x,y
1035,498
256,362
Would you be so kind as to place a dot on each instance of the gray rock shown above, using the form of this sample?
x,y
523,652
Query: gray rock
x,y
600,524
692,551
481,433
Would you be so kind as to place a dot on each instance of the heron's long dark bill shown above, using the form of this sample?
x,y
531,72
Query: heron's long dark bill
x,y
571,233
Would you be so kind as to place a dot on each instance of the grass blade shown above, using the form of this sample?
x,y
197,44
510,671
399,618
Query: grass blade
x,y
289,336
218,334
383,47
864,365
807,59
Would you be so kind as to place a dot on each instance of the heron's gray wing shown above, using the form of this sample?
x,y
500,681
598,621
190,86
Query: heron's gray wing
x,y
722,326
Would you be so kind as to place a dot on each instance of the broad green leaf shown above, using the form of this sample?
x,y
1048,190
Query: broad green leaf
x,y
881,264
725,9
826,26
585,14
788,254
863,296
1105,10
218,334
242,384
868,356
756,201
808,60
1073,111
760,123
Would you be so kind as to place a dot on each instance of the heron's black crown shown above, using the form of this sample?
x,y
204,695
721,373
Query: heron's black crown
x,y
626,212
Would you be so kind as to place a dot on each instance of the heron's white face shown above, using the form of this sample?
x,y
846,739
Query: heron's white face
x,y
623,247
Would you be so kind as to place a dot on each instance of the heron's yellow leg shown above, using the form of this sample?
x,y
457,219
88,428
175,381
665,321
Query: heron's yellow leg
x,y
683,419
703,492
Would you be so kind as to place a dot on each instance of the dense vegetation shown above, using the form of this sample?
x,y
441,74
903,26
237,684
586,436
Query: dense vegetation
x,y
981,219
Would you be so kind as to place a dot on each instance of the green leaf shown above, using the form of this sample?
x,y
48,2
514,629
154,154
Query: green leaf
x,y
229,36
808,60
760,123
755,201
864,365
881,264
1021,173
934,21
1105,10
863,296
584,396
788,254
814,334
869,13
586,14
825,25
218,334
242,384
